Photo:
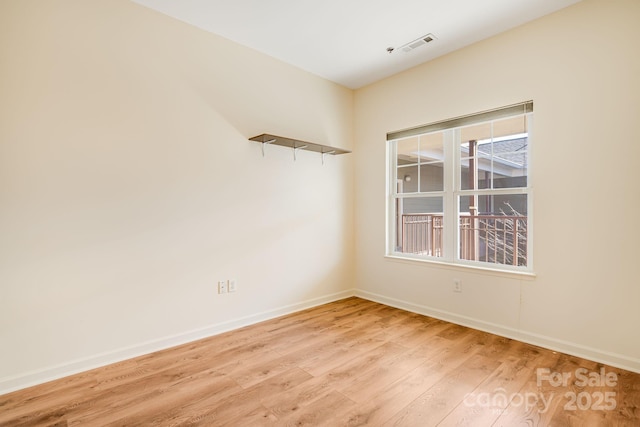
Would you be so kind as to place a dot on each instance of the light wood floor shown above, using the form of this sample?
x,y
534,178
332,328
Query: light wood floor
x,y
348,363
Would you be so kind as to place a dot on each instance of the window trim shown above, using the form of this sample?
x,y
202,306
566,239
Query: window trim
x,y
452,192
408,259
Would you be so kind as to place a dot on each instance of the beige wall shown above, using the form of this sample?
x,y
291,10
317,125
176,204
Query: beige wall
x,y
581,68
128,186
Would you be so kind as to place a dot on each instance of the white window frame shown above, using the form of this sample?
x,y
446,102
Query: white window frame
x,y
452,190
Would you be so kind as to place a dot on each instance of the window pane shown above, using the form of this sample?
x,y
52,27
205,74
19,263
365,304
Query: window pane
x,y
508,160
432,147
494,155
510,126
431,177
475,173
420,205
475,132
407,161
408,179
407,150
420,162
431,162
419,226
510,170
494,229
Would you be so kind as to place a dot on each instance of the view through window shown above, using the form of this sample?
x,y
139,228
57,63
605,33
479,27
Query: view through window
x,y
460,191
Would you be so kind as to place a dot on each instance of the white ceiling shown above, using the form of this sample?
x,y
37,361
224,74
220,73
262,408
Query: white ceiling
x,y
346,40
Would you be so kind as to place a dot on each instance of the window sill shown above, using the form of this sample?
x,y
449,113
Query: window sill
x,y
526,275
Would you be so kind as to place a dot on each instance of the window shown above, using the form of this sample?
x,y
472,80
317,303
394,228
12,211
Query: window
x,y
460,190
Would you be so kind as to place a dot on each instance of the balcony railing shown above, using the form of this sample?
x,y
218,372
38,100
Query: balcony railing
x,y
498,239
422,234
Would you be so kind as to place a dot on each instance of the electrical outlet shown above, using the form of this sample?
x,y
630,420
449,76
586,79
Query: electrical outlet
x,y
457,285
231,285
222,286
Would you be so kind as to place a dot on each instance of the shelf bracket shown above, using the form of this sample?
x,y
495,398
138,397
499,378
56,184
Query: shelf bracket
x,y
324,153
302,147
267,142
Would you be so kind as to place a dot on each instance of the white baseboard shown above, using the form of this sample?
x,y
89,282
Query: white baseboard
x,y
9,384
594,354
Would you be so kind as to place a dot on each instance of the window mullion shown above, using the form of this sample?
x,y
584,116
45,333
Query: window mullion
x,y
449,205
392,186
496,192
421,195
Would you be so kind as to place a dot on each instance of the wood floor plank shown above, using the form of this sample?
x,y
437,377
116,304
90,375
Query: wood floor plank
x,y
258,393
483,405
325,411
347,363
368,383
263,370
349,374
440,399
149,398
397,396
420,335
627,411
550,397
290,402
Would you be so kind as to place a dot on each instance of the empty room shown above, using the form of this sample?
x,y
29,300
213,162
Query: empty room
x,y
337,213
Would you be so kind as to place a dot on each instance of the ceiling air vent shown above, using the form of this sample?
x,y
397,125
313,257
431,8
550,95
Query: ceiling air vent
x,y
414,44
417,43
